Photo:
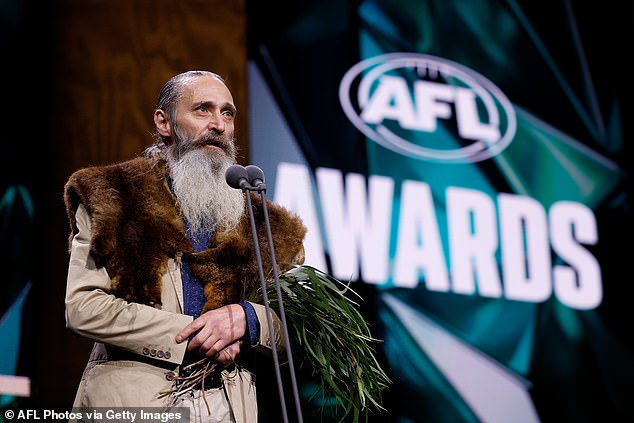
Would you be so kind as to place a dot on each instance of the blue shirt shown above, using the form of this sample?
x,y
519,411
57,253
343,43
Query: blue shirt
x,y
193,291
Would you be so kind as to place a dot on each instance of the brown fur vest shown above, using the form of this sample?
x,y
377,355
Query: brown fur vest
x,y
136,228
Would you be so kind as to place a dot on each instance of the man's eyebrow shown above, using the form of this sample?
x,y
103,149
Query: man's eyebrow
x,y
231,107
224,106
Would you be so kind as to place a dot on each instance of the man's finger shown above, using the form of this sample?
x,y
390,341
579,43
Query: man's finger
x,y
229,354
203,339
188,330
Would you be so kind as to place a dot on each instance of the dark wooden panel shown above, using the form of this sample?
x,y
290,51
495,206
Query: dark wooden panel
x,y
112,57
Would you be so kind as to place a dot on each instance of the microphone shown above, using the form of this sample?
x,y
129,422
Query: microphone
x,y
251,178
237,177
256,177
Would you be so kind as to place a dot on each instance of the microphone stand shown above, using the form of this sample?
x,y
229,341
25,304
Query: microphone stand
x,y
258,257
261,188
250,179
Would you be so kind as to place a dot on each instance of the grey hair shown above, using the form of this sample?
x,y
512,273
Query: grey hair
x,y
171,93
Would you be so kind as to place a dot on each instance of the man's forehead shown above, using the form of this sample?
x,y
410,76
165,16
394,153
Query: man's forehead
x,y
206,89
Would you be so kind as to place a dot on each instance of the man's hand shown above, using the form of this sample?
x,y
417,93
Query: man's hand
x,y
220,333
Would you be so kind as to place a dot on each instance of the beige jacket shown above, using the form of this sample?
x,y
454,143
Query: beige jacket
x,y
94,313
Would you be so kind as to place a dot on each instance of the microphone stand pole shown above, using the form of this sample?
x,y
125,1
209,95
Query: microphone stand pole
x,y
261,188
258,257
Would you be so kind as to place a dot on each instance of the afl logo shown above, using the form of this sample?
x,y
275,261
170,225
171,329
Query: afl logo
x,y
427,107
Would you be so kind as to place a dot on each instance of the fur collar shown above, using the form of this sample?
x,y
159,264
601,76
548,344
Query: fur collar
x,y
136,228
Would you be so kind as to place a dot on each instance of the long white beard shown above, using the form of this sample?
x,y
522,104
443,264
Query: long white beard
x,y
204,197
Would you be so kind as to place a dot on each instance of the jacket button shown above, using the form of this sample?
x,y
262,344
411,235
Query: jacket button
x,y
159,354
146,351
167,354
152,353
170,376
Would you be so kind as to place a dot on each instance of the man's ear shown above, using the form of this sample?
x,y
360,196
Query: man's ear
x,y
162,123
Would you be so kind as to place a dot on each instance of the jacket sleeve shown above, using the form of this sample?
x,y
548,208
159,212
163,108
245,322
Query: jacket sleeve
x,y
93,312
265,344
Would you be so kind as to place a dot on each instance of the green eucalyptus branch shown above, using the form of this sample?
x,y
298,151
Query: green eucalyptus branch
x,y
334,339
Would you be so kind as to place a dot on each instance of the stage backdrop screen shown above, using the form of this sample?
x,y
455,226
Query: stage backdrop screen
x,y
465,165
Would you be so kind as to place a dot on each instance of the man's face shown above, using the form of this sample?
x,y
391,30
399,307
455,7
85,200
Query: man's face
x,y
205,117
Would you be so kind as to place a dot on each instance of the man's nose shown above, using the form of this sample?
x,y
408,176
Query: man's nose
x,y
216,123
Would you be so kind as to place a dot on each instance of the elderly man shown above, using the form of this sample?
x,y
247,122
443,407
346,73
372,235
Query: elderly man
x,y
161,264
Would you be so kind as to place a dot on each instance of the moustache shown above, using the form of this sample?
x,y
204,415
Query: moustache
x,y
217,140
